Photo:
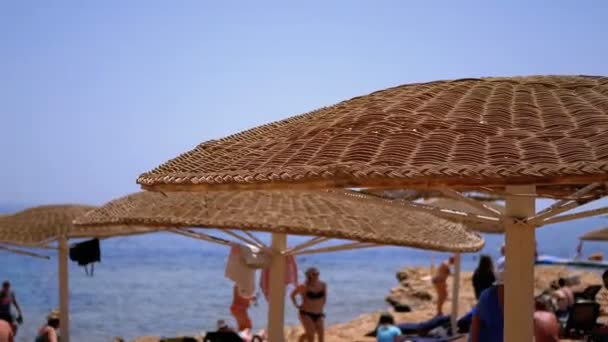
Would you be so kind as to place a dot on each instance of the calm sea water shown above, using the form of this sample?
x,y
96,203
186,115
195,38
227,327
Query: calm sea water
x,y
167,285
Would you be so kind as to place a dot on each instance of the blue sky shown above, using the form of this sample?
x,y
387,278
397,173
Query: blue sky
x,y
94,93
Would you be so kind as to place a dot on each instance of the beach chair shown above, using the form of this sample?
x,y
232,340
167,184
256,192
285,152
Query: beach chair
x,y
222,336
582,319
598,336
588,293
423,328
413,338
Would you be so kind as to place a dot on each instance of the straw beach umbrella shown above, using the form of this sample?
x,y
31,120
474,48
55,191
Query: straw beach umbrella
x,y
518,137
595,235
40,226
369,220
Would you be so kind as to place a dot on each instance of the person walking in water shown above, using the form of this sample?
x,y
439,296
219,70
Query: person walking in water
x,y
314,295
440,283
239,307
7,301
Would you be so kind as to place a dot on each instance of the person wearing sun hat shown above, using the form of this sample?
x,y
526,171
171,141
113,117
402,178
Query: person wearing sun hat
x,y
48,332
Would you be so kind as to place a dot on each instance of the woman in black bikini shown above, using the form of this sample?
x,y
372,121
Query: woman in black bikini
x,y
314,296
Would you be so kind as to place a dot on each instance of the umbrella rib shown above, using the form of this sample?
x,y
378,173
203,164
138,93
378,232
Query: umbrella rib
x,y
28,245
540,218
570,217
460,197
243,239
342,247
28,253
452,214
565,204
254,238
309,243
201,236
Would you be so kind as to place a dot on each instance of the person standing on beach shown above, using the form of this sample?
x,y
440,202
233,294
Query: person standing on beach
x,y
7,301
440,283
500,263
239,307
483,277
48,332
488,320
314,295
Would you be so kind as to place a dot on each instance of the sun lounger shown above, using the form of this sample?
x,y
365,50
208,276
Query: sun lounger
x,y
582,319
228,337
411,338
423,328
588,293
222,336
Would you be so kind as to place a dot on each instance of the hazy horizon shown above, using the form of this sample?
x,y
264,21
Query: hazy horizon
x,y
95,93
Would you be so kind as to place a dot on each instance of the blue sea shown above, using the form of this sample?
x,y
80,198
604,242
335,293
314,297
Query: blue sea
x,y
162,284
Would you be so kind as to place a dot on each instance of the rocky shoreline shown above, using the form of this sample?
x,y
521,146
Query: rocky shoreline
x,y
415,293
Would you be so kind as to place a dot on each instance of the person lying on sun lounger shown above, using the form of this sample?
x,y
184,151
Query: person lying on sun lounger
x,y
387,331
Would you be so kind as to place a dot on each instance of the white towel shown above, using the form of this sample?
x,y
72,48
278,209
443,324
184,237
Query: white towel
x,y
239,271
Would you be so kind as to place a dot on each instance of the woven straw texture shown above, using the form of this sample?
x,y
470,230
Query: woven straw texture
x,y
596,235
329,214
462,133
44,224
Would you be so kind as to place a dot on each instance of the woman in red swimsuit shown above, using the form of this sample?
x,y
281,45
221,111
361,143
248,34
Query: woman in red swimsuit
x,y
314,295
239,307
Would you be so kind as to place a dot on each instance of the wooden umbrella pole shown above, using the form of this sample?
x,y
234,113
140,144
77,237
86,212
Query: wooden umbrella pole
x,y
64,307
276,309
519,266
455,293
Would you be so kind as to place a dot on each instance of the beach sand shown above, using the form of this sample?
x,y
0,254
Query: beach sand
x,y
355,330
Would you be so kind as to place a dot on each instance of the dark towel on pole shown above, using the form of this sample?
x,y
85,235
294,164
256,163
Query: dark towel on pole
x,y
85,253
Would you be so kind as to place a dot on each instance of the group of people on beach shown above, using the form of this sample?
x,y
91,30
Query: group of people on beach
x,y
487,315
485,322
308,298
9,323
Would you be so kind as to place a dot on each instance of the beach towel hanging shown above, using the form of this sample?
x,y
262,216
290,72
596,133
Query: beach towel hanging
x,y
239,272
291,275
85,253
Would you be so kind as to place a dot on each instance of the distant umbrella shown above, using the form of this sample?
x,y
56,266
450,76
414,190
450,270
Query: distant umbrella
x,y
330,214
39,226
596,235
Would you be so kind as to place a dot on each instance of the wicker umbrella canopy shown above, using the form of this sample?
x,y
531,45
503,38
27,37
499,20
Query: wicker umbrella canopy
x,y
332,214
477,134
43,224
596,235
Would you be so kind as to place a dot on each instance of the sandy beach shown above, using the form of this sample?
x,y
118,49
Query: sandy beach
x,y
357,328
418,282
